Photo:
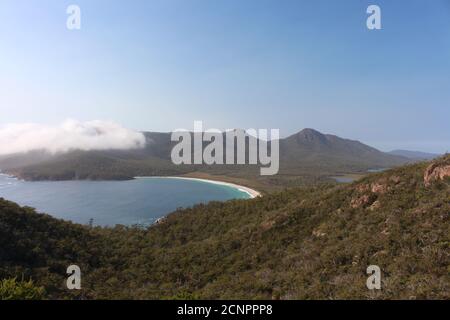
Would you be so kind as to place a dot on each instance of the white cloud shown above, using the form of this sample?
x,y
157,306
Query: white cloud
x,y
70,135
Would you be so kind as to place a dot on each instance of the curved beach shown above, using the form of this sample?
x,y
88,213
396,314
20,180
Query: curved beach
x,y
251,192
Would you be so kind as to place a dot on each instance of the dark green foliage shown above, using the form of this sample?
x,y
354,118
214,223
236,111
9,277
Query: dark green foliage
x,y
308,243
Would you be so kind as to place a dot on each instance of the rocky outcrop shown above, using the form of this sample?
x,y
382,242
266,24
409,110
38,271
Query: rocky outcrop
x,y
362,201
436,171
367,194
379,188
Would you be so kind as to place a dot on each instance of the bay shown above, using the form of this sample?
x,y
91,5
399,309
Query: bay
x,y
139,201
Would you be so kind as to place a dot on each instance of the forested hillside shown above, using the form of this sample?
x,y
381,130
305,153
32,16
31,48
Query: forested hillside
x,y
297,244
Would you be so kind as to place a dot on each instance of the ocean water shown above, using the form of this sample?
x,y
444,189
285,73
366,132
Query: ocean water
x,y
139,201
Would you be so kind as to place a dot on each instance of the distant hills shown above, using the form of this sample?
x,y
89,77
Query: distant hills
x,y
415,155
313,149
307,154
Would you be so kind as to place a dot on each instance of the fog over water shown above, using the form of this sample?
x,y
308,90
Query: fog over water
x,y
67,136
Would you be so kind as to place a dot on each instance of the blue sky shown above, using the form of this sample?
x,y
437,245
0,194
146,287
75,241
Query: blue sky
x,y
159,65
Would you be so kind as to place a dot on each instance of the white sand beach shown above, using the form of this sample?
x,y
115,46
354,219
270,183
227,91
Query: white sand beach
x,y
251,192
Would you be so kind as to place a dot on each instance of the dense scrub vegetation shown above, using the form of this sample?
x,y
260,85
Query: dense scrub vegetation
x,y
307,243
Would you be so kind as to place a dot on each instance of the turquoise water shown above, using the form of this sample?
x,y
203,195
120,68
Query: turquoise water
x,y
140,201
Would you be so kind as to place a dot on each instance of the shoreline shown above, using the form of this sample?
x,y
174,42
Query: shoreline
x,y
251,192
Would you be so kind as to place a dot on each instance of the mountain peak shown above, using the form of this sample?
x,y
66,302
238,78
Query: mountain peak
x,y
310,131
311,135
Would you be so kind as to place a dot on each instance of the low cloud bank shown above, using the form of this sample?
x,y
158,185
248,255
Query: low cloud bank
x,y
70,135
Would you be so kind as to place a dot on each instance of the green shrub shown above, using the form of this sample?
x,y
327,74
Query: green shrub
x,y
11,289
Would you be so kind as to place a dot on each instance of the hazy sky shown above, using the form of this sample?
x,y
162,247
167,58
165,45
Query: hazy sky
x,y
159,65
